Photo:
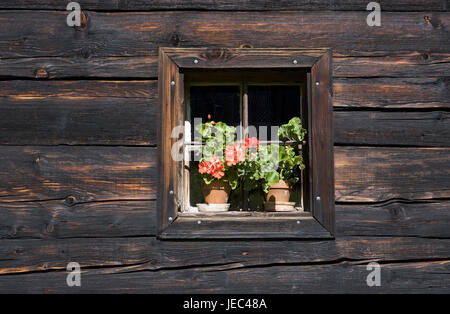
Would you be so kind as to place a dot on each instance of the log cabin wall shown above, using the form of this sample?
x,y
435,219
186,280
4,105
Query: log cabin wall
x,y
78,149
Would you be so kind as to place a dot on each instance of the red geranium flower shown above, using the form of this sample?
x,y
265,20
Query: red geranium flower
x,y
251,142
234,153
213,166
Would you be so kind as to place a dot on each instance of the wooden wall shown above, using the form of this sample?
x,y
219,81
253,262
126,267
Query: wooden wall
x,y
78,155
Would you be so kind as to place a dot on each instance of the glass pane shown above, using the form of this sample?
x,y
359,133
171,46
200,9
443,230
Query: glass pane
x,y
272,105
220,103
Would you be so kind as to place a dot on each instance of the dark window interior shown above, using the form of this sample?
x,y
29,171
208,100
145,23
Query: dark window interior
x,y
272,105
220,103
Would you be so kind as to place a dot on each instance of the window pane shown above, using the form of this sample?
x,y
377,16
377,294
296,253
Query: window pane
x,y
272,105
222,103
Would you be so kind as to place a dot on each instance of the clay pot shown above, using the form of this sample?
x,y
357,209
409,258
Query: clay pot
x,y
279,193
217,192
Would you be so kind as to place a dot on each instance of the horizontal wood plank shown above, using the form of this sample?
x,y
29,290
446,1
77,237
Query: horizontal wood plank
x,y
124,112
400,128
374,174
69,219
392,93
77,173
413,219
78,112
141,34
423,277
301,227
81,174
61,219
403,65
251,5
20,256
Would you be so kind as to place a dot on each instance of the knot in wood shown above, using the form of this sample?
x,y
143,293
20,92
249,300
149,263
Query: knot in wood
x,y
41,73
217,54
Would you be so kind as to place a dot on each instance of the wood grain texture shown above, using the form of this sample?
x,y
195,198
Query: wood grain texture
x,y
142,33
421,277
397,218
125,113
301,227
394,65
408,93
68,219
258,5
363,174
139,253
373,174
78,112
400,128
60,219
77,174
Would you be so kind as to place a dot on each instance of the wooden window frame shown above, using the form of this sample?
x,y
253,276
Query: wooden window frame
x,y
319,223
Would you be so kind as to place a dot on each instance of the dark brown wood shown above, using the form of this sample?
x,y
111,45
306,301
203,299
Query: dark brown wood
x,y
78,112
70,219
150,254
396,218
141,34
97,205
386,173
171,116
302,226
419,277
403,128
124,113
114,173
392,93
77,173
394,65
257,5
321,139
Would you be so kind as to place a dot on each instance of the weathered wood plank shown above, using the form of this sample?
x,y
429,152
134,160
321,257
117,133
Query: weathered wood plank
x,y
372,174
392,128
61,219
58,219
425,219
303,227
77,173
124,113
423,277
78,112
392,92
409,65
135,5
19,256
363,174
43,33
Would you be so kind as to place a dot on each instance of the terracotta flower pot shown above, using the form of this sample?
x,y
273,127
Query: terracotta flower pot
x,y
278,198
279,192
217,192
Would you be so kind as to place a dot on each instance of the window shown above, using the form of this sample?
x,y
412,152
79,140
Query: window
x,y
242,87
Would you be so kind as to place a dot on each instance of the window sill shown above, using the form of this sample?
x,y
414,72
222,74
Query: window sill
x,y
246,225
